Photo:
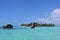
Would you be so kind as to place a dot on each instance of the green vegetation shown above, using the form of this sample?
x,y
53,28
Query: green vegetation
x,y
37,24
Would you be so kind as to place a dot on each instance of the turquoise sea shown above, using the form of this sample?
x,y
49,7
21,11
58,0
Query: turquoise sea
x,y
38,33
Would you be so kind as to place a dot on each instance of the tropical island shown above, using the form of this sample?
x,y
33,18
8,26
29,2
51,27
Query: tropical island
x,y
32,25
35,24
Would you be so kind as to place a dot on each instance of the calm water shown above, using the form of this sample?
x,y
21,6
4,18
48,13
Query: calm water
x,y
40,33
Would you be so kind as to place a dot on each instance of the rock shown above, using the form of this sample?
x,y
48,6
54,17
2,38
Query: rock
x,y
33,27
8,26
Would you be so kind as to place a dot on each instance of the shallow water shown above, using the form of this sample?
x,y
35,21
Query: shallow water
x,y
39,33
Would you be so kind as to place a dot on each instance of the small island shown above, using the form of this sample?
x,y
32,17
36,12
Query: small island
x,y
35,24
8,26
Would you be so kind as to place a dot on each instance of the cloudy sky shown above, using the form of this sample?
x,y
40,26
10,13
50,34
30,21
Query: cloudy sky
x,y
53,18
17,12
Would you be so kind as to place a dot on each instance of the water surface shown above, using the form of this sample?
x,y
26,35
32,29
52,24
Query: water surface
x,y
39,33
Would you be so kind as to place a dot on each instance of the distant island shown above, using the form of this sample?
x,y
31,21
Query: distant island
x,y
32,25
8,26
35,24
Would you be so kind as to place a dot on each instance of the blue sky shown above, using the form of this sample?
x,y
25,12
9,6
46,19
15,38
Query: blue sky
x,y
17,12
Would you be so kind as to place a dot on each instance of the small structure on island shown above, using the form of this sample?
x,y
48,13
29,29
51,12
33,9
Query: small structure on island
x,y
8,26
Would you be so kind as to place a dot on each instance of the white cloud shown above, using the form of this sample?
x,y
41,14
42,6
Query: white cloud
x,y
54,17
55,14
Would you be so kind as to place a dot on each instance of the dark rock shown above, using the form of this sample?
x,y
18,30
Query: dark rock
x,y
8,26
4,26
33,27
